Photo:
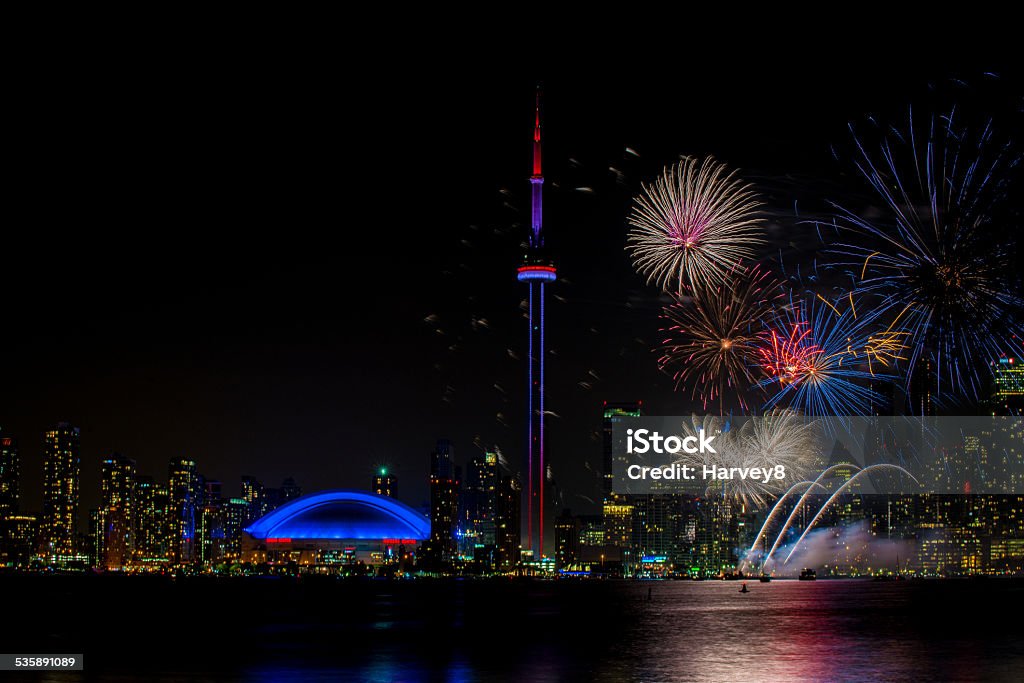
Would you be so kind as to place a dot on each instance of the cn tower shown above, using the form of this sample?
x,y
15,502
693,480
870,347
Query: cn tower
x,y
536,271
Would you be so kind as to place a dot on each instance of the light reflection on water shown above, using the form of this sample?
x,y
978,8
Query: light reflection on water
x,y
708,631
251,630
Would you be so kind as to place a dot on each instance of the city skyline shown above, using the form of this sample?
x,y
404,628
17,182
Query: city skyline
x,y
264,354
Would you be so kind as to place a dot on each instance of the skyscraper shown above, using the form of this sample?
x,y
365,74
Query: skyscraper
x,y
151,520
478,498
536,271
117,503
10,476
17,539
617,510
567,539
613,413
1008,389
255,497
233,513
61,472
384,483
507,522
289,491
183,501
444,499
211,523
444,504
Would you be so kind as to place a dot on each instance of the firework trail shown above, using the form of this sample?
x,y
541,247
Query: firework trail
x,y
941,256
711,342
693,226
823,361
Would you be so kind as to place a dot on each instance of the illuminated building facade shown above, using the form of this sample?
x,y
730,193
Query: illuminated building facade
x,y
117,501
507,516
655,529
716,536
537,271
61,481
96,549
333,528
617,513
182,508
10,476
477,512
233,520
255,498
612,414
567,540
211,524
384,483
151,521
1008,389
18,536
444,505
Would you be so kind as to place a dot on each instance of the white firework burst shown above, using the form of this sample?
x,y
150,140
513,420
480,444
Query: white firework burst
x,y
694,225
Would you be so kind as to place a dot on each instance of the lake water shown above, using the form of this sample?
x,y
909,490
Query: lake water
x,y
285,630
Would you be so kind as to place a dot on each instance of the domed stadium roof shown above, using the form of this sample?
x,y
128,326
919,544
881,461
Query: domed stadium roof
x,y
342,515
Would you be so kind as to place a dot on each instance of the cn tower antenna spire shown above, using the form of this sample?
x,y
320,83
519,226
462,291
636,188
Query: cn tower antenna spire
x,y
536,139
537,183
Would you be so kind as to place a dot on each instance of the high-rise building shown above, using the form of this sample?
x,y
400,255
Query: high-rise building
x,y
507,518
182,509
537,271
289,491
61,473
255,497
617,512
567,540
10,476
656,527
211,524
15,529
18,538
478,500
151,521
591,531
96,549
1008,386
117,507
384,483
716,536
233,519
444,505
613,413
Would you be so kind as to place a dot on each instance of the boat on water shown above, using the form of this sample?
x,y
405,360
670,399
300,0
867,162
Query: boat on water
x,y
744,588
808,574
764,578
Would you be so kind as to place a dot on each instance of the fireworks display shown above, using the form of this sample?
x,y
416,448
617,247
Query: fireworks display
x,y
693,226
821,360
780,437
712,341
940,257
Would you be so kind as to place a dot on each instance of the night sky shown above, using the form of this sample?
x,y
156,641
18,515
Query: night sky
x,y
299,266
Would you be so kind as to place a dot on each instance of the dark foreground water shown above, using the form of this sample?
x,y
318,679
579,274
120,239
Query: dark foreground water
x,y
133,628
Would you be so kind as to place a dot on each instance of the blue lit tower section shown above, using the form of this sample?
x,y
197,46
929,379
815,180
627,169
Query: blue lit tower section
x,y
537,271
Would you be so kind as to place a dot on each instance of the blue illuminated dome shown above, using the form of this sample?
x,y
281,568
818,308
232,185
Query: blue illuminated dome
x,y
342,515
